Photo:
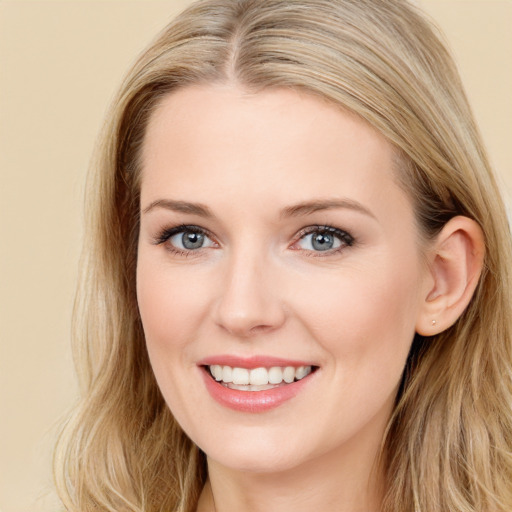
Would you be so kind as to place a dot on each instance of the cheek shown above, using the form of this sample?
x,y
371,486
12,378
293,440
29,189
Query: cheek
x,y
171,302
171,307
364,318
364,322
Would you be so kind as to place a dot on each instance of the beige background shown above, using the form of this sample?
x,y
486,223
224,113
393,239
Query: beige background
x,y
60,63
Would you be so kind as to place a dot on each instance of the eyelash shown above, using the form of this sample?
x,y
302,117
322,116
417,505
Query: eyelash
x,y
346,239
168,233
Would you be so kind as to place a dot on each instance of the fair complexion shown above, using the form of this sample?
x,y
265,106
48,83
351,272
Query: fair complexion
x,y
272,226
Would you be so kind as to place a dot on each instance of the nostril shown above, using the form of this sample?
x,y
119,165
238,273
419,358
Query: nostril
x,y
260,329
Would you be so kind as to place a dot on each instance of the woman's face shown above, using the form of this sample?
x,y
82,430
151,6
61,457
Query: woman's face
x,y
277,248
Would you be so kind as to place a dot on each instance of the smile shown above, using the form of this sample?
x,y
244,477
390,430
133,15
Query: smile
x,y
257,379
255,385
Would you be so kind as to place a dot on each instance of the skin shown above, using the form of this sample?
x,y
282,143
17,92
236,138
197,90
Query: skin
x,y
258,288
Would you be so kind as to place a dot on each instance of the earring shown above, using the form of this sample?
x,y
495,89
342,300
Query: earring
x,y
434,322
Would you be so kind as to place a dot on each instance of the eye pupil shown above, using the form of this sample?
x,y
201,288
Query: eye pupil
x,y
192,240
322,241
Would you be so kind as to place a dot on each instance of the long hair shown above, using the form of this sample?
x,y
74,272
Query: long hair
x,y
448,442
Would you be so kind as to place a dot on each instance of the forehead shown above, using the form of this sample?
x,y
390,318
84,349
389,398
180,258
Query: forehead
x,y
218,143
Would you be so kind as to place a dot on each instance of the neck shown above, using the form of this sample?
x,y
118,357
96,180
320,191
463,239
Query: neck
x,y
338,482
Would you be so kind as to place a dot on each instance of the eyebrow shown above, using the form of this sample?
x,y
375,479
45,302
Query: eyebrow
x,y
309,207
297,210
180,206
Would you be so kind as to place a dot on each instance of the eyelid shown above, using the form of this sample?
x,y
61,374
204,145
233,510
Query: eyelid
x,y
347,240
166,234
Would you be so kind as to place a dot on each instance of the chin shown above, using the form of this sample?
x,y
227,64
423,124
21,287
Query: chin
x,y
258,452
254,461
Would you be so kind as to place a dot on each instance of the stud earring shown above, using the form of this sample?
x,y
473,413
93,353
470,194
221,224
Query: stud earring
x,y
434,322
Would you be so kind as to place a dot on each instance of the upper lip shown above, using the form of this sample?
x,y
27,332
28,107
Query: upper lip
x,y
261,361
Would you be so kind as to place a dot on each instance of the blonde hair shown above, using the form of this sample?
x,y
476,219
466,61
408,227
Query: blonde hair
x,y
448,442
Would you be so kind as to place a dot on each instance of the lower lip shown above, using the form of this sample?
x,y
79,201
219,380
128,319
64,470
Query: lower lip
x,y
252,401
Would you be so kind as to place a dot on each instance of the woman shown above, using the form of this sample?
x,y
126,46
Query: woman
x,y
296,288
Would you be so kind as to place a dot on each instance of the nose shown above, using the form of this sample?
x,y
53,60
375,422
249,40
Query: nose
x,y
250,299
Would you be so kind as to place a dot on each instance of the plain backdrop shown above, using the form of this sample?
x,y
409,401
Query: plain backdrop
x,y
60,63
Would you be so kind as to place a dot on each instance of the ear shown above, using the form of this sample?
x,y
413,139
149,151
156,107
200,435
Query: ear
x,y
455,262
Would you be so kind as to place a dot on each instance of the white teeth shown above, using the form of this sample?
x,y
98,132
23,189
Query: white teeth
x,y
250,387
216,371
289,374
227,374
302,371
240,376
275,375
258,376
258,379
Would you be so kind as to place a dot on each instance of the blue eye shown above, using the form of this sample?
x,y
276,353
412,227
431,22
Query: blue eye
x,y
185,238
322,239
314,239
188,240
